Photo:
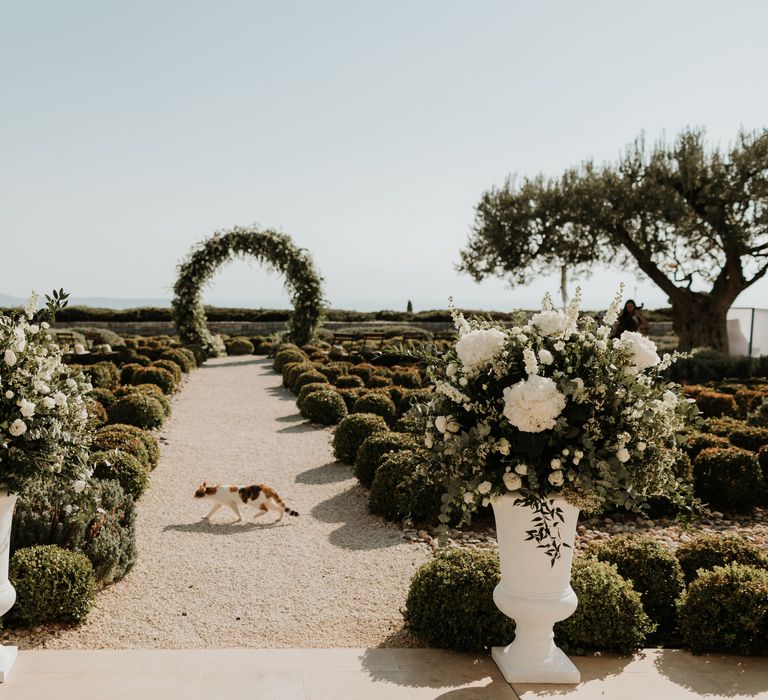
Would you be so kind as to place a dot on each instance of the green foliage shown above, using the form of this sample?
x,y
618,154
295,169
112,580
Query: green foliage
x,y
409,380
378,381
100,522
399,491
123,467
105,440
307,389
182,357
714,404
333,370
268,247
52,584
171,366
104,396
450,602
239,346
655,574
751,438
759,417
610,614
723,427
352,431
363,370
127,370
310,377
374,449
293,369
96,412
139,409
146,390
324,406
708,550
150,441
103,375
727,478
726,610
155,375
349,381
380,404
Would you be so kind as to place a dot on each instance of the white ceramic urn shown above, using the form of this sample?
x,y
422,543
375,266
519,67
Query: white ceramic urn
x,y
7,592
535,594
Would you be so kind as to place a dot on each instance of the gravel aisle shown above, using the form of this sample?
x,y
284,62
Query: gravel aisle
x,y
334,577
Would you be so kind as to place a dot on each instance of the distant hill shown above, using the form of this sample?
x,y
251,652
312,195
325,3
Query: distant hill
x,y
96,302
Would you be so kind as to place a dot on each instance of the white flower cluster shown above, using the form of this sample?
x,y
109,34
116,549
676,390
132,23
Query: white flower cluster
x,y
533,404
477,348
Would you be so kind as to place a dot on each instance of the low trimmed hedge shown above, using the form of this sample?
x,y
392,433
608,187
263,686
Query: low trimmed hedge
x,y
352,431
123,467
708,550
374,449
139,409
727,478
324,406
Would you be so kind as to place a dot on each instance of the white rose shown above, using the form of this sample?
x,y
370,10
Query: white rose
x,y
477,348
463,381
45,325
18,427
48,402
10,357
503,446
512,481
622,455
641,446
68,509
555,464
533,404
549,322
41,387
451,369
452,425
79,486
545,357
601,345
27,408
521,469
71,383
578,454
484,487
469,497
642,351
60,398
34,328
556,478
9,394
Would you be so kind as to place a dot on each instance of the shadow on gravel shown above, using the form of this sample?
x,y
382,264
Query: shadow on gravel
x,y
293,418
330,473
234,363
223,528
303,427
281,394
359,529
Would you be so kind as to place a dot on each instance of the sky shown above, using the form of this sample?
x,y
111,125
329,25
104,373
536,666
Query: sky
x,y
367,131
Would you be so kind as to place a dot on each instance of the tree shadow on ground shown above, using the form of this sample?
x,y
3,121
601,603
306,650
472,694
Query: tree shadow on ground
x,y
293,418
281,394
359,529
223,528
330,473
303,427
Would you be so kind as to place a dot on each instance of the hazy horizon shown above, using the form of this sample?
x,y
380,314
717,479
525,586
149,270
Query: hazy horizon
x,y
366,132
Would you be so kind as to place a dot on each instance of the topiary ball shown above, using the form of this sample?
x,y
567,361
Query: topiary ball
x,y
378,404
307,389
105,440
727,478
363,370
52,584
374,449
96,412
751,438
287,355
655,574
239,346
104,396
726,610
399,490
139,409
714,404
123,467
324,406
311,377
349,381
171,366
610,614
150,441
450,602
104,375
708,550
182,357
292,371
409,380
377,381
701,441
155,375
352,431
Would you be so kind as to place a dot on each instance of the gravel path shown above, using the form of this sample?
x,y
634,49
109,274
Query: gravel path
x,y
334,577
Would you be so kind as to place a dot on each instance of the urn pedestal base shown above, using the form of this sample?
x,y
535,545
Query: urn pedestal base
x,y
7,657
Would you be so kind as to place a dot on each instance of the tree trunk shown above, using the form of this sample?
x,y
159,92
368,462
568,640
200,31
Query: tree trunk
x,y
700,322
564,284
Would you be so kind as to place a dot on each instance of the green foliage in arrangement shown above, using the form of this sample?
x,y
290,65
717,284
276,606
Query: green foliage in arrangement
x,y
138,408
655,574
52,584
100,522
450,602
239,346
726,610
352,431
379,404
610,614
708,550
123,467
374,449
324,406
727,478
269,247
155,375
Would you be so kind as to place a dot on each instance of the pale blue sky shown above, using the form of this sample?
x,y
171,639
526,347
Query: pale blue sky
x,y
367,131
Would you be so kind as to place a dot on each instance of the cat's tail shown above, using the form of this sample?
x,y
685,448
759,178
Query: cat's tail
x,y
288,511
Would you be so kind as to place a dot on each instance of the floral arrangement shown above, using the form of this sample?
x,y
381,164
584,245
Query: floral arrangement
x,y
44,423
553,407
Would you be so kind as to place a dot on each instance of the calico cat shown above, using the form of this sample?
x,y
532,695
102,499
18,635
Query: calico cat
x,y
263,497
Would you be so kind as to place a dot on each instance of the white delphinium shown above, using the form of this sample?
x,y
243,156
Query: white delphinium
x,y
612,314
533,404
477,348
642,350
529,361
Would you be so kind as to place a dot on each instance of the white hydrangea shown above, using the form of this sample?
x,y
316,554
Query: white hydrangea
x,y
477,348
533,404
642,350
549,323
545,357
512,481
27,408
484,487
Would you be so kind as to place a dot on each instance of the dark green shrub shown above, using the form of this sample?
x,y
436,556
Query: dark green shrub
x,y
411,397
352,431
376,403
307,389
350,396
363,370
146,390
105,440
375,449
762,458
349,381
714,404
100,522
263,348
155,375
311,377
726,610
324,406
126,372
655,574
287,355
708,550
142,360
171,366
759,417
52,584
123,467
450,602
727,478
96,411
610,614
139,409
748,400
751,438
723,426
150,441
395,492
410,380
333,370
184,358
104,396
376,381
293,370
239,346
702,441
104,375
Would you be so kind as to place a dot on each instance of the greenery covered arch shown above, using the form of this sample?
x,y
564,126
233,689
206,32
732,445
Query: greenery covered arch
x,y
269,247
